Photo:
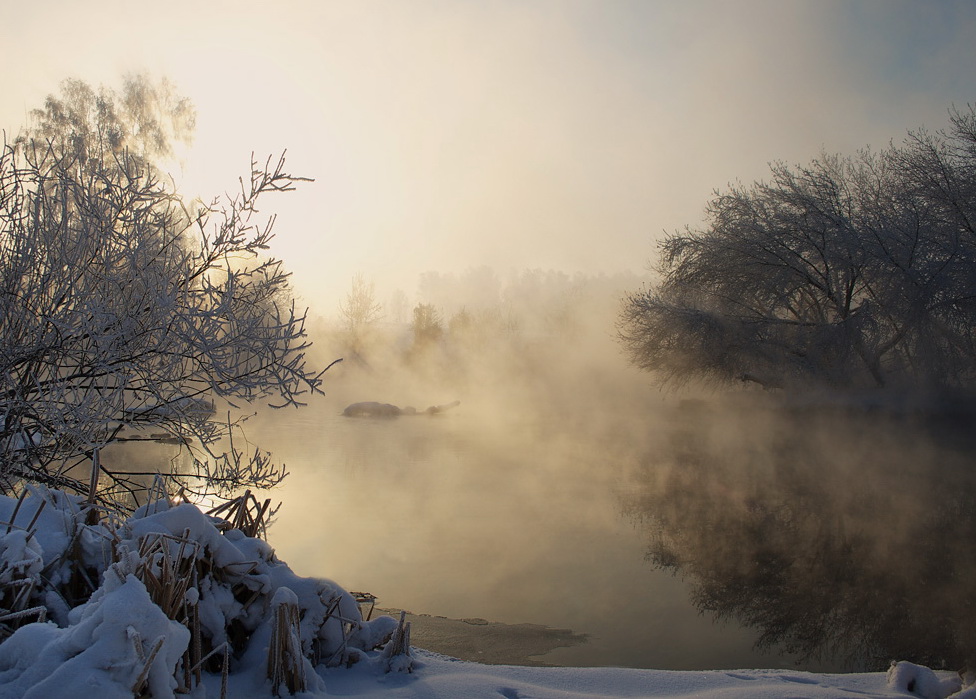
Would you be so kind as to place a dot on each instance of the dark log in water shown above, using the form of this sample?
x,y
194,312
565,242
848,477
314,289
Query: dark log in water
x,y
375,409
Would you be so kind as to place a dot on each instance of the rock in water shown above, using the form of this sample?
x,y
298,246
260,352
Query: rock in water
x,y
372,409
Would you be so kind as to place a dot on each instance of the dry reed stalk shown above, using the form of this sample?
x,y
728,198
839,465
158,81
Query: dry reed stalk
x,y
230,505
90,509
174,572
244,513
397,650
41,613
16,594
135,638
22,591
184,684
224,672
191,661
96,471
225,667
37,514
285,660
248,568
332,612
157,491
140,683
168,566
81,583
13,516
19,617
196,643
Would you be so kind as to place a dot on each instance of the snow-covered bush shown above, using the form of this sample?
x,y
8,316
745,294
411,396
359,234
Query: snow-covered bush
x,y
178,597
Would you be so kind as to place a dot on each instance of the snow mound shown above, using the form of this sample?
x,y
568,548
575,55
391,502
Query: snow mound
x,y
121,641
168,602
920,681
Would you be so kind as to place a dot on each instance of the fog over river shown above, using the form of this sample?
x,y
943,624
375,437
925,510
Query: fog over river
x,y
675,533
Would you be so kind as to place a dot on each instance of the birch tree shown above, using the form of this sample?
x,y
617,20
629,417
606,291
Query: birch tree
x,y
128,312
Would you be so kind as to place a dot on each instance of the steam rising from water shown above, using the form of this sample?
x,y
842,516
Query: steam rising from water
x,y
565,490
836,533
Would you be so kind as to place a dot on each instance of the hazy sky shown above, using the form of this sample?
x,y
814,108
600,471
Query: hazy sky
x,y
446,134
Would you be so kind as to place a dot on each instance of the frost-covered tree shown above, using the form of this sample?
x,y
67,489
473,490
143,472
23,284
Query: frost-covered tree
x,y
128,312
848,271
360,312
427,327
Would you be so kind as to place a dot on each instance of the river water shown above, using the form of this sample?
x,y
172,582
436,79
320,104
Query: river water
x,y
677,536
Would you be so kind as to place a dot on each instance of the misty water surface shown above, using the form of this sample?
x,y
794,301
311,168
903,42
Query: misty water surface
x,y
676,536
514,523
674,533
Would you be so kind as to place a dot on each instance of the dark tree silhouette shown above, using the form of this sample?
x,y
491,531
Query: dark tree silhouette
x,y
848,271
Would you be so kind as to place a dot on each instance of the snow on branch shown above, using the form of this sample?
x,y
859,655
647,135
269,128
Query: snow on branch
x,y
127,311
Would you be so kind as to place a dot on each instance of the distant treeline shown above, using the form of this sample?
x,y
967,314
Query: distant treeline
x,y
480,317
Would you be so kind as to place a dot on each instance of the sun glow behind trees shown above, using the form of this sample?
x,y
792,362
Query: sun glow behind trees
x,y
127,310
552,135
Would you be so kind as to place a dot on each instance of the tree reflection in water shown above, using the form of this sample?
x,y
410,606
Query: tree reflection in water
x,y
841,536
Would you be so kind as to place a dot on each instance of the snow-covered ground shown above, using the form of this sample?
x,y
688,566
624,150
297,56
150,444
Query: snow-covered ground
x,y
174,585
436,676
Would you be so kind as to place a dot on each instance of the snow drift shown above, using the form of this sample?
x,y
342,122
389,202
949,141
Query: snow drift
x,y
177,599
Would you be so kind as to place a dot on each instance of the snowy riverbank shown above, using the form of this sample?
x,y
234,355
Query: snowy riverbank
x,y
180,602
438,677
